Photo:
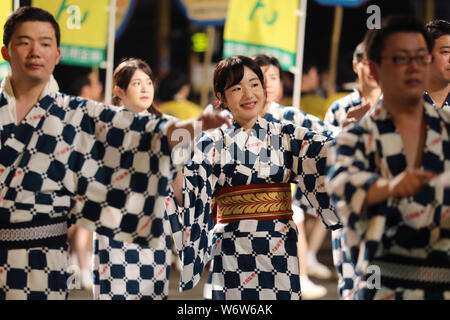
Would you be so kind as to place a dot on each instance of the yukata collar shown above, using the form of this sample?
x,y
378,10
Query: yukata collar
x,y
381,113
235,126
428,99
50,87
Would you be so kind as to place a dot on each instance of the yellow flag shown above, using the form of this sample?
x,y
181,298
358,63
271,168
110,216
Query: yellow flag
x,y
84,29
262,26
5,10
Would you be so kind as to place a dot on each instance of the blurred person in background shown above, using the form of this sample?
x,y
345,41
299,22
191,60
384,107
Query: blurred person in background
x,y
361,100
438,89
128,271
311,102
173,94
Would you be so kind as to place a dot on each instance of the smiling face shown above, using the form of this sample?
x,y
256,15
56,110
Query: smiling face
x,y
139,94
245,99
32,52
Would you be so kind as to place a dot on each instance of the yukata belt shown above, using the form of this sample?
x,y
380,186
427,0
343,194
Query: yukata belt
x,y
51,233
413,273
268,201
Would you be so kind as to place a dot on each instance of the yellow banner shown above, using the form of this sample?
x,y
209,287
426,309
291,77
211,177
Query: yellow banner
x,y
5,9
262,26
84,28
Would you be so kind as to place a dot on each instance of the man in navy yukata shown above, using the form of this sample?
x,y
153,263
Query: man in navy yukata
x,y
387,174
107,168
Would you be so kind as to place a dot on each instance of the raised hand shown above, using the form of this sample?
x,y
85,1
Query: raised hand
x,y
355,113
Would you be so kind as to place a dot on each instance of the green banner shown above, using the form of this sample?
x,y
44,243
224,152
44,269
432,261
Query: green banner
x,y
233,48
82,56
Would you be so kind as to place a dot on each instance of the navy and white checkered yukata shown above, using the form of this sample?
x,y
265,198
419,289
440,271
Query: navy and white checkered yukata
x,y
129,271
406,240
428,99
336,115
252,259
103,165
337,112
288,115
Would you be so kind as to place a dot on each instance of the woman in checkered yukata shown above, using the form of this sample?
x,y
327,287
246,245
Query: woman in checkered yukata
x,y
126,270
248,168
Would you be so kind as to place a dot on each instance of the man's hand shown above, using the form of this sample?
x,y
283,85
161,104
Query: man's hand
x,y
213,120
355,113
408,183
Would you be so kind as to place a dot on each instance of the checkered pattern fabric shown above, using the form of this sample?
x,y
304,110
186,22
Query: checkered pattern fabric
x,y
337,111
290,115
295,116
270,153
128,271
428,99
415,227
33,274
336,115
108,167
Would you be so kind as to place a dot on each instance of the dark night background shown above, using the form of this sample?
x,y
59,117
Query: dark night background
x,y
140,37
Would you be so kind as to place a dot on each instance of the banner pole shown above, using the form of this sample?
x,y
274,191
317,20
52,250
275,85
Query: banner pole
x,y
110,51
299,56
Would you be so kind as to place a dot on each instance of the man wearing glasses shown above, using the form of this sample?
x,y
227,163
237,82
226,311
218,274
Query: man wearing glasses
x,y
386,174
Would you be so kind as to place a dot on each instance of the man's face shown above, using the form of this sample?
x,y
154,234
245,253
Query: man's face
x,y
404,82
32,51
440,68
273,84
362,69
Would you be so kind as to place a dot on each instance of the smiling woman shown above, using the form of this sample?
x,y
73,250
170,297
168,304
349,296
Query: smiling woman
x,y
249,234
239,86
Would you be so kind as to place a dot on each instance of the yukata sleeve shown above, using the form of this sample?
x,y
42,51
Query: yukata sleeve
x,y
303,119
350,173
193,235
119,168
309,153
313,123
330,116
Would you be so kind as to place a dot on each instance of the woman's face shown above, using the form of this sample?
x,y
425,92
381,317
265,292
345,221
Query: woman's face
x,y
246,99
140,92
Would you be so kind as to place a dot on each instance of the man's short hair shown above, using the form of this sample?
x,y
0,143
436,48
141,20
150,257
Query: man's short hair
x,y
438,28
376,38
264,60
358,54
25,14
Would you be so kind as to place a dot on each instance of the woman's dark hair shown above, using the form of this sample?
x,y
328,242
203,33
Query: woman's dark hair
x,y
123,74
230,72
25,14
375,39
264,60
171,84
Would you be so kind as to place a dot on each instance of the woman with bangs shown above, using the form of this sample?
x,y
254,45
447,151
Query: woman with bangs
x,y
248,232
128,271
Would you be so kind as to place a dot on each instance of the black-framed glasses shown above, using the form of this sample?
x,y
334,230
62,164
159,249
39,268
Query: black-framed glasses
x,y
404,60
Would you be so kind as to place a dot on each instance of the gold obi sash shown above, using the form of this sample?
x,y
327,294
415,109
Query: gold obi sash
x,y
268,201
